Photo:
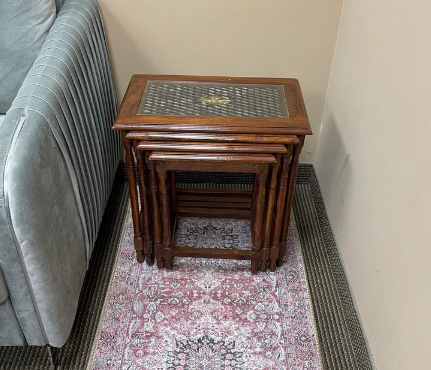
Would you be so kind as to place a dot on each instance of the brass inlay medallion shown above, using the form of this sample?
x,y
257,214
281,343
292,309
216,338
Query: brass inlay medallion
x,y
214,100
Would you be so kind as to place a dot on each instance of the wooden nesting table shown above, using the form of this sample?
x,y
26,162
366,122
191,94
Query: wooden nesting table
x,y
170,123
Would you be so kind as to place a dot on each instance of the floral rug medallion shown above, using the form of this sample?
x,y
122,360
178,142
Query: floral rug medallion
x,y
206,314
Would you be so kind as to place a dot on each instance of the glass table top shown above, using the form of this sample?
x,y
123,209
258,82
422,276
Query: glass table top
x,y
191,98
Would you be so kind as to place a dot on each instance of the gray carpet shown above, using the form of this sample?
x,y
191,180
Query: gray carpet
x,y
341,339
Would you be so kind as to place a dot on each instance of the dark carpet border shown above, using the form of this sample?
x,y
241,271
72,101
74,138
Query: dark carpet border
x,y
342,341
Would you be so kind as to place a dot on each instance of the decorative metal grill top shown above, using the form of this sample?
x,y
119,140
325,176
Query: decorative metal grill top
x,y
181,98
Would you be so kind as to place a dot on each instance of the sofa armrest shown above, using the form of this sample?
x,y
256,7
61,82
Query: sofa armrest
x,y
57,161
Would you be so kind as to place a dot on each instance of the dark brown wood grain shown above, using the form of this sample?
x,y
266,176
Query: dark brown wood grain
x,y
259,127
238,199
131,177
252,162
295,103
145,209
253,202
129,119
201,147
269,213
216,204
213,144
279,207
219,205
154,194
216,197
209,212
214,121
212,137
214,167
203,191
209,158
173,193
165,213
127,102
293,172
258,219
141,79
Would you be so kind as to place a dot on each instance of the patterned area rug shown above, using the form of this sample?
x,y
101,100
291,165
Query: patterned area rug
x,y
339,331
206,314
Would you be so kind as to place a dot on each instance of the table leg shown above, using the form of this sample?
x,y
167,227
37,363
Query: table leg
x,y
279,208
293,172
253,196
131,176
269,214
145,209
154,194
165,213
258,219
173,193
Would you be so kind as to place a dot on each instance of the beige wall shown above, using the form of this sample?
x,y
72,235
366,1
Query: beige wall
x,y
273,38
374,167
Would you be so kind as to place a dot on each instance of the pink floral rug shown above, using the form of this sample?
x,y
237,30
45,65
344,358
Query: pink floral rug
x,y
206,314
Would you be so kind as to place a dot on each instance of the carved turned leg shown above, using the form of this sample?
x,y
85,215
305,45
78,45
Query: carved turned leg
x,y
154,194
131,176
173,188
165,213
290,193
145,209
253,201
258,218
279,208
269,214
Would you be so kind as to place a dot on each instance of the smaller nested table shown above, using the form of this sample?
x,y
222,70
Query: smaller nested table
x,y
170,113
211,162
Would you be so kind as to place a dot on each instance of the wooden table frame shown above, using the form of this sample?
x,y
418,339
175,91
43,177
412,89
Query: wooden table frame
x,y
290,131
214,162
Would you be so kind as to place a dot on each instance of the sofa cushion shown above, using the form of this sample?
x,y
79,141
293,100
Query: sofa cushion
x,y
59,4
1,118
24,25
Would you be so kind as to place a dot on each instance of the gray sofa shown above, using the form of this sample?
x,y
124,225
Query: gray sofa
x,y
58,157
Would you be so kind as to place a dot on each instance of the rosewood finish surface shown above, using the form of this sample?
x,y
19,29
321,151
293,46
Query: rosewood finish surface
x,y
220,120
211,147
210,137
129,119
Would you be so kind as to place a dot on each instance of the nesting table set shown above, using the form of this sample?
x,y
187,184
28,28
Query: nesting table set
x,y
212,124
